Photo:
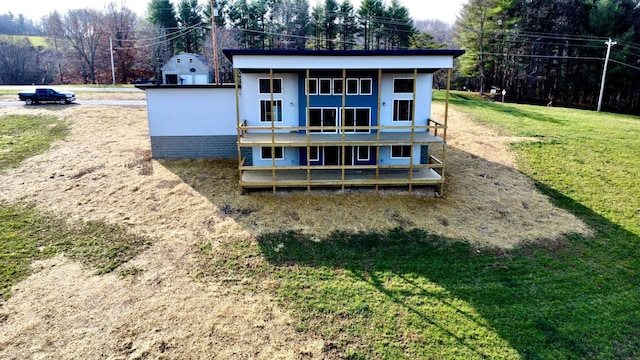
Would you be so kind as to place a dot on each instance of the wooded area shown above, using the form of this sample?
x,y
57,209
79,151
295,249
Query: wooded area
x,y
539,51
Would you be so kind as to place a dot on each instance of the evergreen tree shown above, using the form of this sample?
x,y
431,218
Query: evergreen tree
x,y
371,14
399,26
162,14
347,25
190,21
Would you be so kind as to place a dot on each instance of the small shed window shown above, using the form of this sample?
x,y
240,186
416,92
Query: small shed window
x,y
178,60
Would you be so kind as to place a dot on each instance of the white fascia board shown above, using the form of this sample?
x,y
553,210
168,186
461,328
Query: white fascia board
x,y
342,62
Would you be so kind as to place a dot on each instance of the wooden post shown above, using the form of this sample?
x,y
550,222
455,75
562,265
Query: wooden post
x,y
214,43
342,113
444,135
273,133
235,80
413,127
378,117
306,84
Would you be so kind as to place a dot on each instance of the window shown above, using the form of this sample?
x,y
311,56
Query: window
x,y
190,61
265,153
365,86
312,86
321,117
403,85
352,86
357,117
178,60
400,151
265,86
325,86
402,110
364,153
337,86
267,114
314,153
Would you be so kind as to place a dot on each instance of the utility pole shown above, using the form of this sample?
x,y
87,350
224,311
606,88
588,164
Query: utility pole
x,y
214,43
113,69
609,44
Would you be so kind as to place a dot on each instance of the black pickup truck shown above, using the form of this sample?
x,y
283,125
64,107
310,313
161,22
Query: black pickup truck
x,y
46,95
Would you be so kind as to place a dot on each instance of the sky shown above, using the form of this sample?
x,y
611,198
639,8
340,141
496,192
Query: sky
x,y
445,10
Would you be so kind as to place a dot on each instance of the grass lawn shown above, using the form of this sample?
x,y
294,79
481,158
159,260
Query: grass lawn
x,y
407,294
27,234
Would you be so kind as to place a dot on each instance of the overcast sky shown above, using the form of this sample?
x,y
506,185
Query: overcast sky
x,y
445,10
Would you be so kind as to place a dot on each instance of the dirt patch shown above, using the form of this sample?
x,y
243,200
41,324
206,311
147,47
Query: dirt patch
x,y
159,308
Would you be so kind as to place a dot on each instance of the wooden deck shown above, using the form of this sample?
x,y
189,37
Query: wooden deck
x,y
367,177
297,139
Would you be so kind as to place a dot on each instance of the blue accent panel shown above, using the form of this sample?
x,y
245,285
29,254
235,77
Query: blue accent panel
x,y
335,101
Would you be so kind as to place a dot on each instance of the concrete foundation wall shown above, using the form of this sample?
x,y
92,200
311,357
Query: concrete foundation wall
x,y
194,147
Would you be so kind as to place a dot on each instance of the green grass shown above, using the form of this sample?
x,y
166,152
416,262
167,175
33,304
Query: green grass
x,y
36,41
407,294
23,136
27,234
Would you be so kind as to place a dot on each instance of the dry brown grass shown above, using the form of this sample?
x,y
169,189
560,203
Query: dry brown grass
x,y
103,172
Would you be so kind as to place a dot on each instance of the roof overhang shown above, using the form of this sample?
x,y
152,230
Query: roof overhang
x,y
336,60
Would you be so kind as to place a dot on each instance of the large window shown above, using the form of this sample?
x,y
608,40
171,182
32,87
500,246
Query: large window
x,y
355,117
401,86
265,86
323,117
402,110
266,153
400,151
270,113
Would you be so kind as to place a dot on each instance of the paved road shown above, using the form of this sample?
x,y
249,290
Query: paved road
x,y
72,88
82,102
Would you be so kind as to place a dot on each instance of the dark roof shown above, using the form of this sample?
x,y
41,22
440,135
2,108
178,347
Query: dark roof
x,y
229,53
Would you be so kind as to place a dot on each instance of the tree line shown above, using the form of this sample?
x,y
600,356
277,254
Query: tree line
x,y
81,41
552,52
539,51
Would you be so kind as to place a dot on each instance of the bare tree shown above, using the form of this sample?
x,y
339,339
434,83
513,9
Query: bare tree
x,y
18,61
120,24
82,28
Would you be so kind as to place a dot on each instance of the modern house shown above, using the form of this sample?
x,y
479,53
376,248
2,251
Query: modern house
x,y
308,119
186,69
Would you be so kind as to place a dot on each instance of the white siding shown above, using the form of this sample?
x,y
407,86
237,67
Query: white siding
x,y
342,62
252,96
385,156
191,111
424,86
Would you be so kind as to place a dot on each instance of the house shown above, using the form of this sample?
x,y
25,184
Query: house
x,y
298,118
186,69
